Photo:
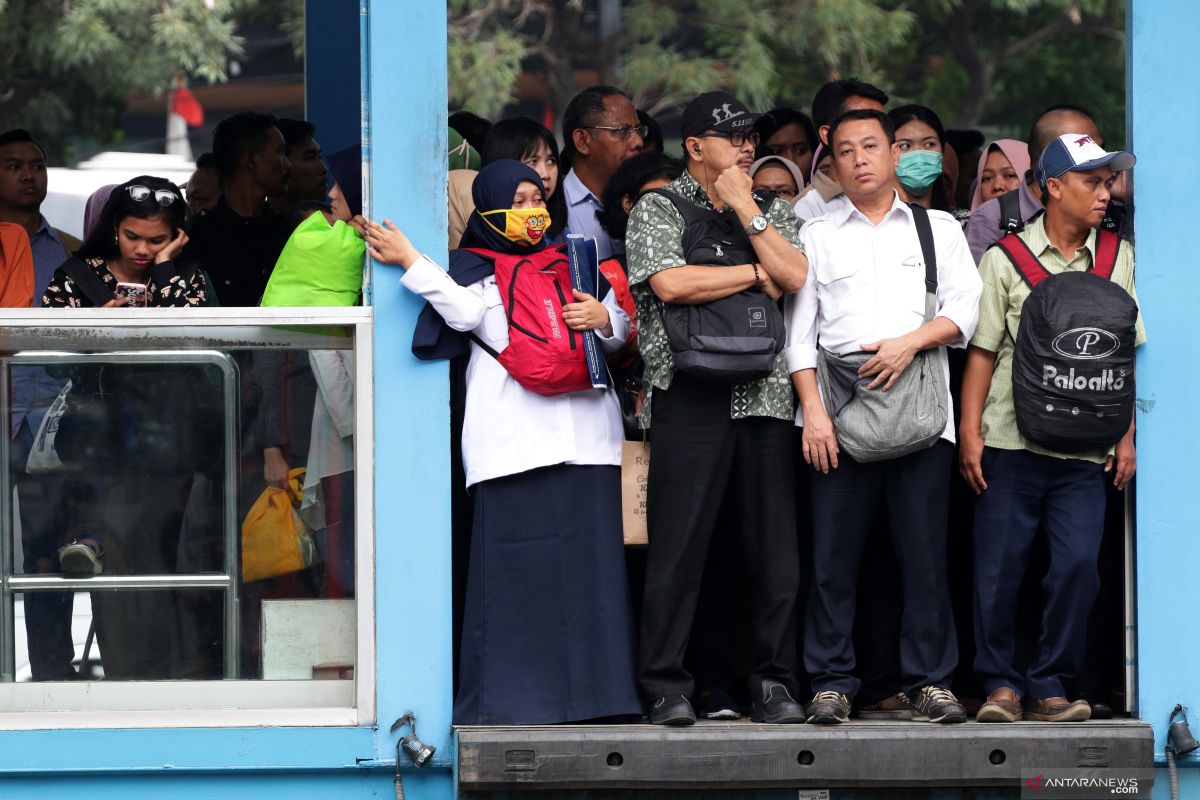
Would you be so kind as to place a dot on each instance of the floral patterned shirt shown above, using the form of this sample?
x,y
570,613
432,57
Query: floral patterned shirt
x,y
653,243
63,293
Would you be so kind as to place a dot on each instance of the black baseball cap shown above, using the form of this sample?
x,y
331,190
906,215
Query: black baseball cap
x,y
716,111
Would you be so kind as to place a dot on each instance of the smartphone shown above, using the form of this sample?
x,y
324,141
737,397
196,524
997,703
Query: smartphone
x,y
136,292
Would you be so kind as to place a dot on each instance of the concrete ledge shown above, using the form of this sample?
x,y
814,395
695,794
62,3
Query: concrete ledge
x,y
743,755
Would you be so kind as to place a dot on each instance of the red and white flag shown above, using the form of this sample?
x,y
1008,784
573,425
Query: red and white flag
x,y
185,104
183,111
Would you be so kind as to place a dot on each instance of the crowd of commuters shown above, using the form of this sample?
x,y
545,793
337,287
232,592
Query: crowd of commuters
x,y
815,321
132,483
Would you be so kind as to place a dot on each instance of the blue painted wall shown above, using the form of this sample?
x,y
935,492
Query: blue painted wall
x,y
406,57
331,72
406,87
1163,73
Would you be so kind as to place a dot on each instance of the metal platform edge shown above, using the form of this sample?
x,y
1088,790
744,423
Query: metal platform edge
x,y
745,755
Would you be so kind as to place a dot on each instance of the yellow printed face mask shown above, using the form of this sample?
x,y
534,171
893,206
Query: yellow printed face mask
x,y
521,225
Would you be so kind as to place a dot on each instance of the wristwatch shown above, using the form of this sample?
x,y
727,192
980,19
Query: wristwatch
x,y
758,224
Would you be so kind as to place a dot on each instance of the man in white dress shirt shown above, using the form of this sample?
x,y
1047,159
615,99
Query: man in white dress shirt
x,y
866,293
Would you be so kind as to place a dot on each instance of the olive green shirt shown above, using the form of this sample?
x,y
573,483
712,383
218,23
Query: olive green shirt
x,y
653,243
1004,292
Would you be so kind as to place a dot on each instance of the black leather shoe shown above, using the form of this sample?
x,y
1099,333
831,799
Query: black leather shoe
x,y
1101,710
672,709
774,704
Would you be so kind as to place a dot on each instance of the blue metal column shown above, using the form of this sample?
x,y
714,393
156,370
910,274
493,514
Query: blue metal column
x,y
1161,61
331,86
405,57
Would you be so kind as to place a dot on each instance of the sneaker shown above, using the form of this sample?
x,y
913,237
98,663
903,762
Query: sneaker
x,y
79,558
935,704
829,708
717,704
776,706
672,709
894,707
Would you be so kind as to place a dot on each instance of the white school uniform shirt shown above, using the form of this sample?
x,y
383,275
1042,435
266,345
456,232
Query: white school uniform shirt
x,y
508,429
866,282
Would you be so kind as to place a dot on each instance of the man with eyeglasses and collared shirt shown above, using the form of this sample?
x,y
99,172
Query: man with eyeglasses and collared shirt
x,y
600,130
713,440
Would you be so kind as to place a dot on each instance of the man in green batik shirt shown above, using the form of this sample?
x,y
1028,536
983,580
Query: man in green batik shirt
x,y
713,440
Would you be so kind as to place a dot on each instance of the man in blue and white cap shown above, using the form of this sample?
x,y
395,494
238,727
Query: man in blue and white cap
x,y
1024,486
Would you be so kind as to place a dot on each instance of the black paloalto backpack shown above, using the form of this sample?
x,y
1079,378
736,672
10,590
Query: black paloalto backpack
x,y
1072,372
733,339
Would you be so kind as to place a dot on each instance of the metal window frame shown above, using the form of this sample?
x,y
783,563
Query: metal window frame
x,y
25,329
12,583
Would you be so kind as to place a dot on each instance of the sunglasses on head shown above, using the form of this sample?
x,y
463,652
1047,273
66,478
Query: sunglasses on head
x,y
165,197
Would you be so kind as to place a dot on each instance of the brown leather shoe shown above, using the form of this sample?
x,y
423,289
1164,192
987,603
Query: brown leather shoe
x,y
1003,705
1057,709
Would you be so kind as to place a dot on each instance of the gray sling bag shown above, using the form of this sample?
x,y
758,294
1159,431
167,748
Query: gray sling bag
x,y
874,425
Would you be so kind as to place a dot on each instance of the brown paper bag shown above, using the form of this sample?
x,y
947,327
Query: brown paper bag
x,y
635,472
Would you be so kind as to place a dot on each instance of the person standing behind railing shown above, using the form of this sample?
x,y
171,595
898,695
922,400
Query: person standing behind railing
x,y
23,186
133,437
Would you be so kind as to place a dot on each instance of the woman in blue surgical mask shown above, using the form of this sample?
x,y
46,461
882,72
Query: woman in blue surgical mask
x,y
921,141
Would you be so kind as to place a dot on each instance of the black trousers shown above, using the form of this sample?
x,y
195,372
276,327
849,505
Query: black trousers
x,y
698,454
913,490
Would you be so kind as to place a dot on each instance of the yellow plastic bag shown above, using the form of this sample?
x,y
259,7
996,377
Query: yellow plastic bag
x,y
275,541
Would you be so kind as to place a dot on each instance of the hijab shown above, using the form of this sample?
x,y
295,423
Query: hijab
x,y
346,167
462,155
492,190
460,205
1017,153
780,161
95,204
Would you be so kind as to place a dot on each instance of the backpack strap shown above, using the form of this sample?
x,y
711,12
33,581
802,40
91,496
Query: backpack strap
x,y
89,284
928,251
1023,260
1010,212
688,210
1108,244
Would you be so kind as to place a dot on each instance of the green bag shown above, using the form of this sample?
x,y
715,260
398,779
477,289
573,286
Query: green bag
x,y
321,265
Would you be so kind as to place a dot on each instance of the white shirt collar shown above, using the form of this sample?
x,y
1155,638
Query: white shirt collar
x,y
843,214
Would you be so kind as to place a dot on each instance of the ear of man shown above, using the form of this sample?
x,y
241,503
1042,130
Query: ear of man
x,y
581,138
823,135
1054,188
691,148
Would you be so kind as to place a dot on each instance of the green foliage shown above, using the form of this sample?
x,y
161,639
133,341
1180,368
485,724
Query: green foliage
x,y
483,73
979,63
757,51
66,67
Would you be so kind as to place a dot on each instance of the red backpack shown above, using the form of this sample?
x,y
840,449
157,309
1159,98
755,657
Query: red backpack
x,y
543,354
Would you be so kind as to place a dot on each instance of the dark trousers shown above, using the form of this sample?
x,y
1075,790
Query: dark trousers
x,y
913,490
1066,497
699,453
44,520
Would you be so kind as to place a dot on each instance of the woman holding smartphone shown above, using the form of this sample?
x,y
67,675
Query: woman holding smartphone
x,y
132,251
132,440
